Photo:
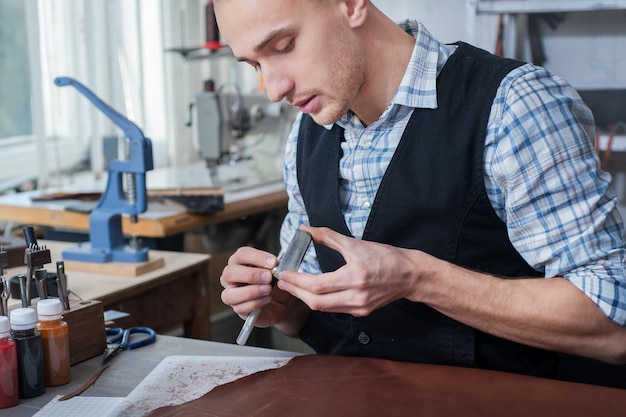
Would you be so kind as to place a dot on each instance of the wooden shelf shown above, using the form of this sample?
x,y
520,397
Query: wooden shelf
x,y
547,6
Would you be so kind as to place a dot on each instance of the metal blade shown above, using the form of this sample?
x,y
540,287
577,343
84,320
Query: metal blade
x,y
294,254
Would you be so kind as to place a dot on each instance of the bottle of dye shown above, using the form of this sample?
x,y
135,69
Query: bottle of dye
x,y
30,374
54,336
9,392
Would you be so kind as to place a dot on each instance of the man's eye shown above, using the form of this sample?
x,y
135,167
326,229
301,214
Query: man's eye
x,y
285,49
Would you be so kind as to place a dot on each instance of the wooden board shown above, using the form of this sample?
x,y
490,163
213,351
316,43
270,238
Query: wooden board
x,y
131,269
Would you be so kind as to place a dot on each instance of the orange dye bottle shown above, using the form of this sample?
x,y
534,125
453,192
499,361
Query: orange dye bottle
x,y
9,389
54,337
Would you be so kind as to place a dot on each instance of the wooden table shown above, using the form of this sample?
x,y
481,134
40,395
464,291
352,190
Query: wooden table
x,y
175,294
158,221
442,387
126,372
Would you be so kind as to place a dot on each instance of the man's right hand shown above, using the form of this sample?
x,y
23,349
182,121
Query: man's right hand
x,y
247,282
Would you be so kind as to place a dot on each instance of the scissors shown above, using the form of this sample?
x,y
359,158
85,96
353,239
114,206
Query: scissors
x,y
120,338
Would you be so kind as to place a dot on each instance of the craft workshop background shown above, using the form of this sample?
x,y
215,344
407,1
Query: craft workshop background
x,y
216,141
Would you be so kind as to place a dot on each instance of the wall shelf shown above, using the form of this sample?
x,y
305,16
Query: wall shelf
x,y
547,6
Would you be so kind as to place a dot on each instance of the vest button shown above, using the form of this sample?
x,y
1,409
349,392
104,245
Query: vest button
x,y
363,338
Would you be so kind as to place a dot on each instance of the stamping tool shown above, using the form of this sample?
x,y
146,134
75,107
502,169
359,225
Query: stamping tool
x,y
290,261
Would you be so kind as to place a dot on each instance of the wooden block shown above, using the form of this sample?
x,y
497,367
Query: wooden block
x,y
130,269
14,247
85,321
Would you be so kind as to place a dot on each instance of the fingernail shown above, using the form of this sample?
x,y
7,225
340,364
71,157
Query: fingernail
x,y
266,275
270,261
265,289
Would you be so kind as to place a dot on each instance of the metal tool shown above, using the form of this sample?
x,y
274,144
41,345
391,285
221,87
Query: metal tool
x,y
41,276
105,221
5,291
35,257
62,285
290,261
120,340
23,295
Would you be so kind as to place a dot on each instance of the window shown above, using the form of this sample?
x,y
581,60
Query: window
x,y
113,47
116,48
15,111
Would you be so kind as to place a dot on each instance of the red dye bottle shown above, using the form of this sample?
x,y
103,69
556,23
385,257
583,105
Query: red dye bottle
x,y
9,389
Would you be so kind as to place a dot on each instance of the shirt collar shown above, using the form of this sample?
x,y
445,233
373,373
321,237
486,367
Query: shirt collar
x,y
418,88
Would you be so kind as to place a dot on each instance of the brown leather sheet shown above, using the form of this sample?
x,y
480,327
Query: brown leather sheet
x,y
326,386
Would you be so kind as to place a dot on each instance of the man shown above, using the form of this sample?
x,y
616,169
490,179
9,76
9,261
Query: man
x,y
460,213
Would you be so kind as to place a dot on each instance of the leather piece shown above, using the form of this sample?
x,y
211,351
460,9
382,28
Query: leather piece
x,y
323,385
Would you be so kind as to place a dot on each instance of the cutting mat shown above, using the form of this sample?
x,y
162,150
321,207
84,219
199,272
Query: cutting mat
x,y
179,379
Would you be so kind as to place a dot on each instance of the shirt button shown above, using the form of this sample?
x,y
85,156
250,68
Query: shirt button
x,y
367,143
365,205
363,338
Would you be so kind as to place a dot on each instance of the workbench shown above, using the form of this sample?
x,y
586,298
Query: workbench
x,y
127,373
172,295
159,221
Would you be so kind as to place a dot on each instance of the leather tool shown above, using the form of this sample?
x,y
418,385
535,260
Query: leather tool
x,y
290,261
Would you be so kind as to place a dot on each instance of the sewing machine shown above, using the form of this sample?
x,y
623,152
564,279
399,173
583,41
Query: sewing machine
x,y
234,130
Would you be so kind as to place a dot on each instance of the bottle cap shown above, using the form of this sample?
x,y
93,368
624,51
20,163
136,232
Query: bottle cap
x,y
5,326
49,309
23,319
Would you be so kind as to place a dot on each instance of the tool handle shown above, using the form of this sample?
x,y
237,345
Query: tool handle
x,y
4,259
41,276
24,283
248,325
29,236
62,285
130,129
140,342
4,295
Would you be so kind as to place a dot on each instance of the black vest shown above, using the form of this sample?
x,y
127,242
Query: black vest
x,y
432,198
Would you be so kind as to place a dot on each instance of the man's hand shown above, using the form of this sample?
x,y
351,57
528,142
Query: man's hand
x,y
374,275
247,282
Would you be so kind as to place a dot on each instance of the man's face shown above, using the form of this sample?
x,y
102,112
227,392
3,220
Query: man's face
x,y
305,50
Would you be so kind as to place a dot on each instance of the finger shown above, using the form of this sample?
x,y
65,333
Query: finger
x,y
253,257
305,286
244,309
238,275
332,302
248,297
332,239
316,284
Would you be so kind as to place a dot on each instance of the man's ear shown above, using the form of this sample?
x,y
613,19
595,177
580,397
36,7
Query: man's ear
x,y
356,12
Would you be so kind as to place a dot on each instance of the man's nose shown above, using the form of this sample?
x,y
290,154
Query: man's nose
x,y
277,84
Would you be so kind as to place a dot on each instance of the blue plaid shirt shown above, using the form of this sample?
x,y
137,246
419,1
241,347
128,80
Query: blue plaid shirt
x,y
542,174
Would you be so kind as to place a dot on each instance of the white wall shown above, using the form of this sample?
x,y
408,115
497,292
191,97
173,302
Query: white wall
x,y
589,49
446,19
